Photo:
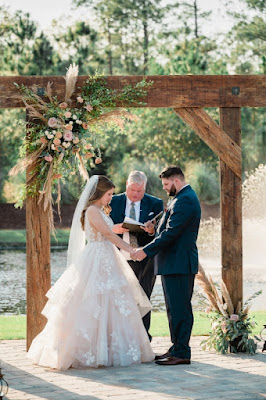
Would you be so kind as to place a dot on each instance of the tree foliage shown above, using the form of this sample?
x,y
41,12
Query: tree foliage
x,y
136,37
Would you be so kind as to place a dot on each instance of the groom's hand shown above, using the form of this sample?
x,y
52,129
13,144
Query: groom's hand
x,y
139,255
118,229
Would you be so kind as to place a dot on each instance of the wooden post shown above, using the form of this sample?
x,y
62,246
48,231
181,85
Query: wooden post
x,y
231,212
38,263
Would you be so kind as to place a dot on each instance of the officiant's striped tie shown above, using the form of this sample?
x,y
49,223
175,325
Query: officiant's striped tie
x,y
132,237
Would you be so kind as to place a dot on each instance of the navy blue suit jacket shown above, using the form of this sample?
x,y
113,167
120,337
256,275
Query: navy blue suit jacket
x,y
150,206
175,241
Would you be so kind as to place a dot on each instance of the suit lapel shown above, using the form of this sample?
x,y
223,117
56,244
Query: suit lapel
x,y
122,208
143,217
164,218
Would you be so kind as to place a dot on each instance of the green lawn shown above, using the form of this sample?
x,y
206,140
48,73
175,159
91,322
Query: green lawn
x,y
18,237
14,327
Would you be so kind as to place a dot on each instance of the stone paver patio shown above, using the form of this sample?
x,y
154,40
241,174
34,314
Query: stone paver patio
x,y
210,376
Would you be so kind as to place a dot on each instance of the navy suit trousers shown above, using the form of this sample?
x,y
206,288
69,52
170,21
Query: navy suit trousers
x,y
178,290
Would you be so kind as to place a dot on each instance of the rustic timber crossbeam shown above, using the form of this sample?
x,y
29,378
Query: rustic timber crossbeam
x,y
167,90
187,95
214,136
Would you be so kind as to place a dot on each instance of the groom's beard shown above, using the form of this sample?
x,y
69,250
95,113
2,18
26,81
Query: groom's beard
x,y
172,191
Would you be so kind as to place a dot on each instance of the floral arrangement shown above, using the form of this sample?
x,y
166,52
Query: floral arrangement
x,y
64,135
230,328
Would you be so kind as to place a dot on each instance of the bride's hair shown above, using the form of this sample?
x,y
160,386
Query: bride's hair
x,y
104,184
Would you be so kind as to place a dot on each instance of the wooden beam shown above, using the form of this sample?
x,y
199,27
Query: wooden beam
x,y
38,266
167,90
214,136
38,263
231,212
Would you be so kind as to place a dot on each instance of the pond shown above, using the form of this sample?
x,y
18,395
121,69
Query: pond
x,y
13,279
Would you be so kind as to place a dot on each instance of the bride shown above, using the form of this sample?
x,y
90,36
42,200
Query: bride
x,y
95,309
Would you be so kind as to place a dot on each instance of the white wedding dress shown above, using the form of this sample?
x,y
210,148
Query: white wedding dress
x,y
94,312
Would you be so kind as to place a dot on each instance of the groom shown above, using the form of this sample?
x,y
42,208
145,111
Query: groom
x,y
176,261
142,207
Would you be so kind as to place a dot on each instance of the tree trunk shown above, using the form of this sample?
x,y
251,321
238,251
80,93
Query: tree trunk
x,y
196,19
110,54
145,44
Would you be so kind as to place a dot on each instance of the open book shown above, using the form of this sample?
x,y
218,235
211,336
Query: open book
x,y
132,225
135,226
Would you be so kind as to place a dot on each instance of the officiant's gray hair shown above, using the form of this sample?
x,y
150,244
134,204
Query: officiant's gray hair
x,y
138,177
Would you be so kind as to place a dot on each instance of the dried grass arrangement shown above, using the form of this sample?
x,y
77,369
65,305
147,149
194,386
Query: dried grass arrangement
x,y
231,328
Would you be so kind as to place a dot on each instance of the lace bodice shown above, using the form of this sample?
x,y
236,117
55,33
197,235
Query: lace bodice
x,y
91,234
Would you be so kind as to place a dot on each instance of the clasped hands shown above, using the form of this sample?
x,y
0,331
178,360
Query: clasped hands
x,y
138,254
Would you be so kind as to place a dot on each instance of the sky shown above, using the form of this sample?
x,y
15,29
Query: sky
x,y
44,11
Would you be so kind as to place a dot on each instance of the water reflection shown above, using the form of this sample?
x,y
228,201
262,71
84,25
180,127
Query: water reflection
x,y
13,278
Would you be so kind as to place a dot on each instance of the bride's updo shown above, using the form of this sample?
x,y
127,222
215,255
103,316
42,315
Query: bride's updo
x,y
104,184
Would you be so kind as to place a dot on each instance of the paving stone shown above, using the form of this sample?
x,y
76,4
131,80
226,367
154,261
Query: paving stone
x,y
210,376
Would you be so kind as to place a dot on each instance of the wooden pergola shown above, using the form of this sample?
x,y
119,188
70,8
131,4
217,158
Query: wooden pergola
x,y
187,95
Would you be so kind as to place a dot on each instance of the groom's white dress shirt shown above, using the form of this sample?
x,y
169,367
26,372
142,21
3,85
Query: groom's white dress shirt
x,y
126,234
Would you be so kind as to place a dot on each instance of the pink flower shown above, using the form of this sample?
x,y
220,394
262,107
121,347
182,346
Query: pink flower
x,y
98,160
234,317
80,99
88,155
43,139
76,140
89,107
63,105
68,136
87,146
53,122
48,158
58,134
84,125
67,114
56,141
69,127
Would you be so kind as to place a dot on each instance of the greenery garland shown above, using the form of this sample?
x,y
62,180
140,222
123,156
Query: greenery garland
x,y
64,136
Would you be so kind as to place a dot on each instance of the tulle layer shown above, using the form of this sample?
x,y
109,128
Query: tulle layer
x,y
94,314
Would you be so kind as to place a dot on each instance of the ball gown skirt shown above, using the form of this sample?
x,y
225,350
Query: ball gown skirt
x,y
94,313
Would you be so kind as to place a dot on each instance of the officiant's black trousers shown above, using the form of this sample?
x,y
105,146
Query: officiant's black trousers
x,y
144,271
178,290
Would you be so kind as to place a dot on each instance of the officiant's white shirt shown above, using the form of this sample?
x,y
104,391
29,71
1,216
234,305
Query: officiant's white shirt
x,y
126,234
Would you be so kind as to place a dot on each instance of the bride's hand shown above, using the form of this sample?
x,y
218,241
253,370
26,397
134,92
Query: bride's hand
x,y
118,229
132,252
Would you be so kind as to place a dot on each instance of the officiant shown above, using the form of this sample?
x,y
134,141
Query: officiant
x,y
141,207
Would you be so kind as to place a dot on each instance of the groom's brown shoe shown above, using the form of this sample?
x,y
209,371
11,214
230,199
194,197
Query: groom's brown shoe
x,y
173,361
163,356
